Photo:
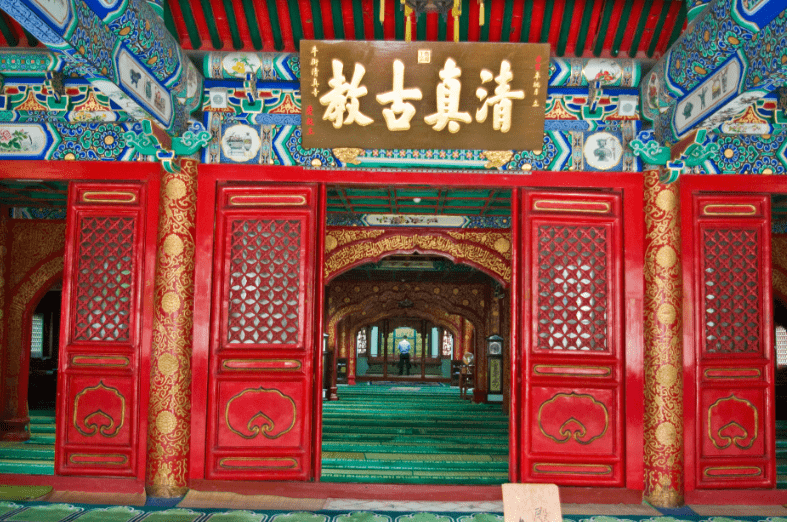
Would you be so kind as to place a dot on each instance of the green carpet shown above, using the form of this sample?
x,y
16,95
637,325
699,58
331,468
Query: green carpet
x,y
35,456
412,435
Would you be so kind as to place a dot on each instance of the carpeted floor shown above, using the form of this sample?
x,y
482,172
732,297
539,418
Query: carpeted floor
x,y
48,512
412,435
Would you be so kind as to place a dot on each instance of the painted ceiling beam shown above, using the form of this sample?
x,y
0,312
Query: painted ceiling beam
x,y
728,57
124,49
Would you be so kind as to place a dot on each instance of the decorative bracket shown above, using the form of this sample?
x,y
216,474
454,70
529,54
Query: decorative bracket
x,y
152,143
695,153
56,99
252,101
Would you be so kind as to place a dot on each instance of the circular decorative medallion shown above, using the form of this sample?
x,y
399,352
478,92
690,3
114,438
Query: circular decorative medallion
x,y
176,189
666,257
602,151
166,422
240,143
170,302
167,364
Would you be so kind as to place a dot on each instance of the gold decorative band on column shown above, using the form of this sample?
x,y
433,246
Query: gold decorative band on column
x,y
663,358
169,411
553,468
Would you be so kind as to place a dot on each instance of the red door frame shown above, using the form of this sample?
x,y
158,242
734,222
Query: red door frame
x,y
94,171
691,185
629,184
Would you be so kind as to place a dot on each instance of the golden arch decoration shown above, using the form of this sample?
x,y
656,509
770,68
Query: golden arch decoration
x,y
487,251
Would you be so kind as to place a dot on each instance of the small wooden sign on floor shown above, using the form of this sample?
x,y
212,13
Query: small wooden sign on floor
x,y
531,503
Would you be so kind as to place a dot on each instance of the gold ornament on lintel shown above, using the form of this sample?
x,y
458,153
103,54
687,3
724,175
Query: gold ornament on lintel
x,y
497,158
348,155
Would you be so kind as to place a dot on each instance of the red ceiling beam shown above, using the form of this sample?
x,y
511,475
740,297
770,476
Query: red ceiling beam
x,y
576,25
612,28
668,27
180,25
327,19
307,19
473,29
650,25
202,25
536,21
369,18
595,21
432,26
633,23
222,24
389,24
516,21
556,24
494,17
285,27
266,33
347,17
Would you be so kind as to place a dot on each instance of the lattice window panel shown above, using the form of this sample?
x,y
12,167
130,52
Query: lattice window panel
x,y
731,289
105,277
265,272
572,288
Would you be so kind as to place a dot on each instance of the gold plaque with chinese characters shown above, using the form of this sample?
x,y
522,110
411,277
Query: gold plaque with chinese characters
x,y
423,95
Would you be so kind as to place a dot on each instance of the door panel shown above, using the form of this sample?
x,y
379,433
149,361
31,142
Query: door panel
x,y
574,417
734,371
262,344
98,385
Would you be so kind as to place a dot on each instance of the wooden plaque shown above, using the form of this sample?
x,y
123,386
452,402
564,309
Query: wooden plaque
x,y
423,95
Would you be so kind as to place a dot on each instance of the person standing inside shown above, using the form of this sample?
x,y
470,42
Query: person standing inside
x,y
404,355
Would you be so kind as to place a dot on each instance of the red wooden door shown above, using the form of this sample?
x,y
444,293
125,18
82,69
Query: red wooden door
x,y
573,420
260,404
734,443
99,403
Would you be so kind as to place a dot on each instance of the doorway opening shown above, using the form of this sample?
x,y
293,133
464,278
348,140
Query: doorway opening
x,y
439,422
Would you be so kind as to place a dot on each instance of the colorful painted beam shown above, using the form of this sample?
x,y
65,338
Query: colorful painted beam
x,y
101,42
730,56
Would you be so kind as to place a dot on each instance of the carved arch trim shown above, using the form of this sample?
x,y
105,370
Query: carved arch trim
x,y
487,250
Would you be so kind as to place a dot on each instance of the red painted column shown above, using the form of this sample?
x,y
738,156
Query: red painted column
x,y
663,312
169,411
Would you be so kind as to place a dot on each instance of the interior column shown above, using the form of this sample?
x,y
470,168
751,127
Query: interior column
x,y
169,411
663,309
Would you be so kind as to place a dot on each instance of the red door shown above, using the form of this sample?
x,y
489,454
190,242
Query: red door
x,y
734,348
573,419
261,389
98,421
